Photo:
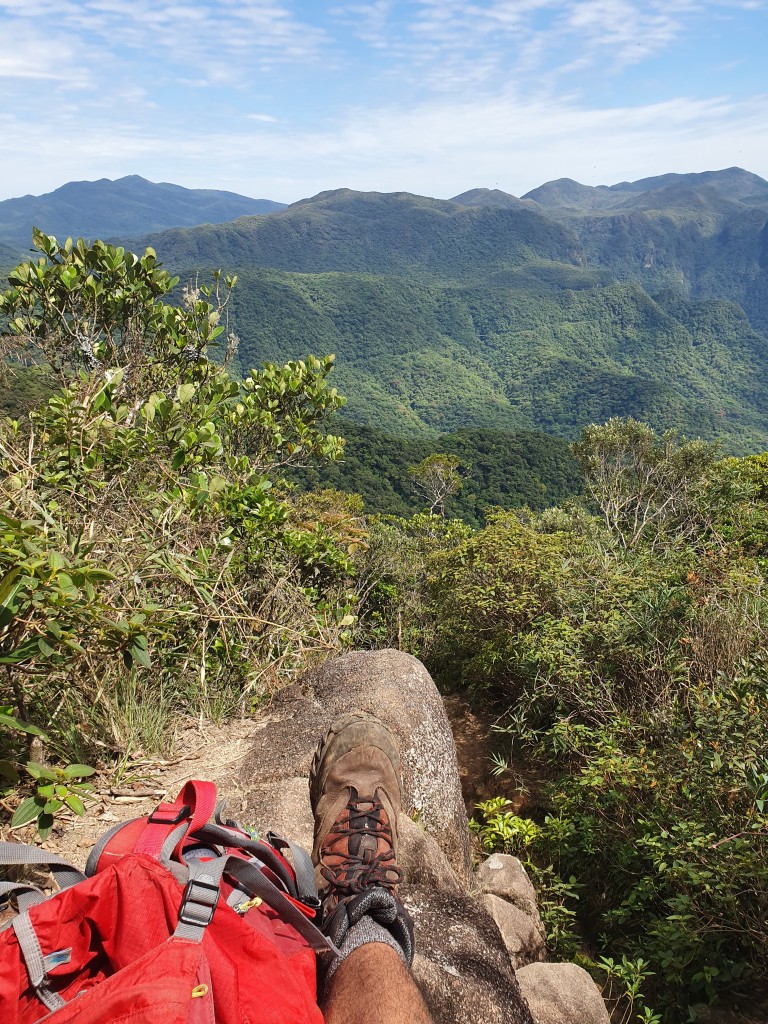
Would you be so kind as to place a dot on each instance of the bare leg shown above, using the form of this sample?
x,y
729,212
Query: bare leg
x,y
373,986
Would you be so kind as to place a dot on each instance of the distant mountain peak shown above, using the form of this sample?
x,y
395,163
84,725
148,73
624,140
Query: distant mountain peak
x,y
124,208
567,193
732,184
486,197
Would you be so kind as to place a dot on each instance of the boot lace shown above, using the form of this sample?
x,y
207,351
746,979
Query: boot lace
x,y
359,867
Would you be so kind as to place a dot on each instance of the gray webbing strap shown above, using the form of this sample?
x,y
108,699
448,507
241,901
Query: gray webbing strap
x,y
98,848
27,895
255,882
200,899
218,816
18,853
33,958
171,842
303,866
222,836
202,892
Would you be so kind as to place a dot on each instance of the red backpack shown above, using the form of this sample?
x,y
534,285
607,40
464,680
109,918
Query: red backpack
x,y
180,918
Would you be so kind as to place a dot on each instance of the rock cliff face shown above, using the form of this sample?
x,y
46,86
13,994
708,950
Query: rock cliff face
x,y
474,929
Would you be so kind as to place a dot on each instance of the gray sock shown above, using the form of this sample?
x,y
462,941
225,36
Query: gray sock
x,y
366,930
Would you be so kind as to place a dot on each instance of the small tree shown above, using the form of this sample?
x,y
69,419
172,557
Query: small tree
x,y
437,478
648,486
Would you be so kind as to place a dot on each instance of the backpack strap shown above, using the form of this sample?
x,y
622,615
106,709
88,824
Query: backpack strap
x,y
27,895
303,867
33,958
221,835
192,808
202,893
19,853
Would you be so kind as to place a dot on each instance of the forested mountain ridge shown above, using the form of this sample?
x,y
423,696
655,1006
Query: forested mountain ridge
x,y
377,233
498,469
128,206
733,183
568,306
418,357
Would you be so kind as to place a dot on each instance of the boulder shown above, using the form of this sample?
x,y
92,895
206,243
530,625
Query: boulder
x,y
462,967
466,945
562,994
282,807
504,876
522,934
422,861
399,690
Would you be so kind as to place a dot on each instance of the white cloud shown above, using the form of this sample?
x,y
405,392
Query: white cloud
x,y
193,34
455,43
30,54
370,21
437,149
267,118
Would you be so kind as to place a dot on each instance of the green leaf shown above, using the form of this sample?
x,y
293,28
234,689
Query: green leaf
x,y
56,560
75,804
140,654
39,771
44,825
185,393
9,588
79,771
27,811
66,584
51,806
24,652
16,723
8,771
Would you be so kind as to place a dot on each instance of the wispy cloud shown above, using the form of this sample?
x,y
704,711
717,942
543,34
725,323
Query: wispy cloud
x,y
456,43
433,96
439,148
371,22
28,54
256,33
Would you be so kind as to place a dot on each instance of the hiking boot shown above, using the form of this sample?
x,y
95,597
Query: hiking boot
x,y
354,787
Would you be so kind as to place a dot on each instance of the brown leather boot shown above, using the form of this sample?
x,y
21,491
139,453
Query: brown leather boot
x,y
354,788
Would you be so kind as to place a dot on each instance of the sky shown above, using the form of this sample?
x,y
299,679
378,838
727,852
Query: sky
x,y
282,99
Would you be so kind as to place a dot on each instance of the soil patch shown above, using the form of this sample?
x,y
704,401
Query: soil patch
x,y
208,752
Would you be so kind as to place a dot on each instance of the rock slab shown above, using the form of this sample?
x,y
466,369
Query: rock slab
x,y
398,689
562,994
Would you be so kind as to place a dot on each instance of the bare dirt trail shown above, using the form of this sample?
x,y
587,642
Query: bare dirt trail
x,y
207,752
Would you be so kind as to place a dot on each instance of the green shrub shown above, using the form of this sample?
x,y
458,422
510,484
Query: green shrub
x,y
152,559
629,661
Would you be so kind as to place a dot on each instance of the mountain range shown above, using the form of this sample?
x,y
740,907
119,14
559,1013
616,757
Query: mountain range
x,y
128,206
548,311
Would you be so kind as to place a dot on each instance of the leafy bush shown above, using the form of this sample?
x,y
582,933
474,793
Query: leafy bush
x,y
630,663
152,560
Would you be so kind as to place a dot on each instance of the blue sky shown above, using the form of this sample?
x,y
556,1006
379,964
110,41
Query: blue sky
x,y
281,99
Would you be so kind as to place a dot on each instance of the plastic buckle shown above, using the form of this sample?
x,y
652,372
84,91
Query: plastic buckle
x,y
199,894
312,903
169,814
